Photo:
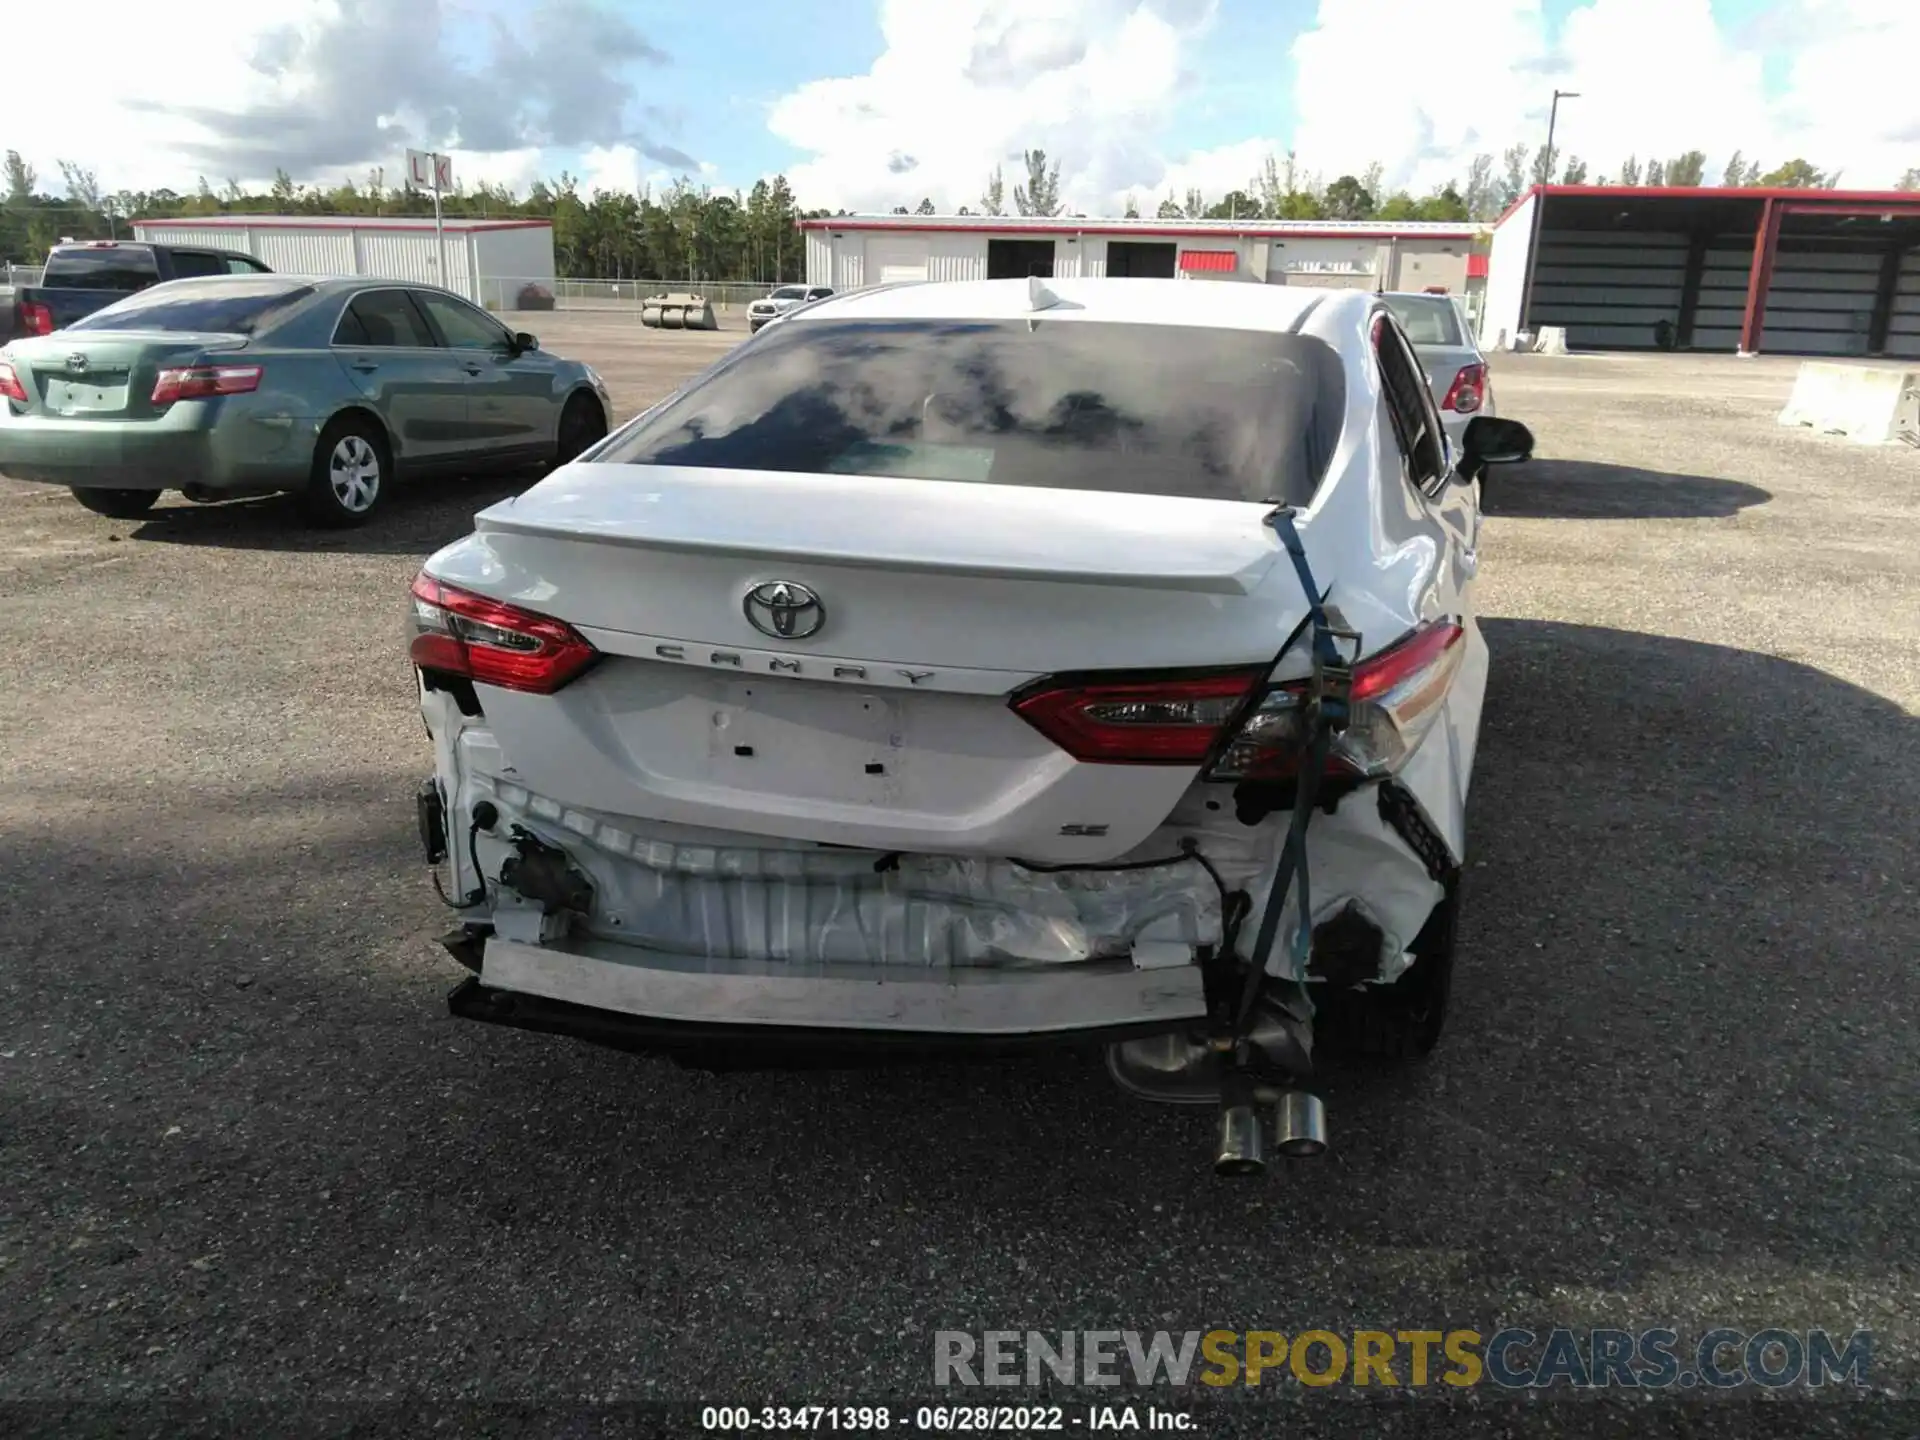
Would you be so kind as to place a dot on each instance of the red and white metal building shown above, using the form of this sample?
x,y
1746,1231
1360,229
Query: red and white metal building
x,y
391,247
849,251
1793,272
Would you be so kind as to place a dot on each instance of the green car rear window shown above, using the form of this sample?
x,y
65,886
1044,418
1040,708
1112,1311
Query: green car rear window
x,y
230,306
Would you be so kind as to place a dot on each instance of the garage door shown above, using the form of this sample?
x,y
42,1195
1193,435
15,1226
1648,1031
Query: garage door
x,y
891,262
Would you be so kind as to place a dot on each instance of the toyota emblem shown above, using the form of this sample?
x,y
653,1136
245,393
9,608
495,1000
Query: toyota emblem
x,y
77,363
784,610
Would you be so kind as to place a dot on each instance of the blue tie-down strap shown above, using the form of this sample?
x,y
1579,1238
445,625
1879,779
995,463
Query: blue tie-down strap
x,y
1328,703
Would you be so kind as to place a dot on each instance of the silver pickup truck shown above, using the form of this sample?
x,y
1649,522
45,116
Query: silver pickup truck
x,y
780,300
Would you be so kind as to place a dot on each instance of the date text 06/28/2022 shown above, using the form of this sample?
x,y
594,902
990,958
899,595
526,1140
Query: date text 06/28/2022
x,y
945,1419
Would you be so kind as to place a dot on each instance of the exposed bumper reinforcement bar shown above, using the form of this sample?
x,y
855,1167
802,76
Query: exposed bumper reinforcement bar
x,y
849,998
715,1046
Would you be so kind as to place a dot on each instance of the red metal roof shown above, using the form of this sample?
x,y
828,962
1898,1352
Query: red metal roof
x,y
1210,261
1877,199
1165,230
464,225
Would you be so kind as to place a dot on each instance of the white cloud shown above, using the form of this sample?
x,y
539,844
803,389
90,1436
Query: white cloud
x,y
1654,78
612,169
515,169
965,85
145,60
1103,86
328,89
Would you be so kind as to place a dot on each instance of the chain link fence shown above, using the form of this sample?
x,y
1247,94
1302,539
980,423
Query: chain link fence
x,y
14,276
519,293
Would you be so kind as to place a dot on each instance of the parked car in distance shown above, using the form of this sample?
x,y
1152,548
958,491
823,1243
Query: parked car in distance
x,y
330,389
780,300
84,276
1457,372
937,671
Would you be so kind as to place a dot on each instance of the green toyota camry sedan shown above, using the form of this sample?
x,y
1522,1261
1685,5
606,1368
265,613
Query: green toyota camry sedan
x,y
253,384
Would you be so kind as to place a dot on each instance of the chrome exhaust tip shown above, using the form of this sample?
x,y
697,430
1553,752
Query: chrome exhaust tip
x,y
1241,1147
1299,1125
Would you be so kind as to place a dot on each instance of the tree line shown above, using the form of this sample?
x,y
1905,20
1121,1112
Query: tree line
x,y
691,233
695,233
1284,191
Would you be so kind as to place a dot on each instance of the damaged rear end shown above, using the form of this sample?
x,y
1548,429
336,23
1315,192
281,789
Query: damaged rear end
x,y
912,752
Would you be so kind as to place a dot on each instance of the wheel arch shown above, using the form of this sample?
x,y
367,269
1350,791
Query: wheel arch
x,y
355,410
580,389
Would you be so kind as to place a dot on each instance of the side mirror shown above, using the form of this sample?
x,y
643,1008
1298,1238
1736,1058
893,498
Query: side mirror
x,y
1489,440
523,343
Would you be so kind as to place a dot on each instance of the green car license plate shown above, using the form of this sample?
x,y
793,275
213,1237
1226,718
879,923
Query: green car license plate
x,y
70,397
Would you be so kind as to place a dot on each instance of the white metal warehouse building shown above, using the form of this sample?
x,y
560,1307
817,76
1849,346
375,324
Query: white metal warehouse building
x,y
391,247
849,251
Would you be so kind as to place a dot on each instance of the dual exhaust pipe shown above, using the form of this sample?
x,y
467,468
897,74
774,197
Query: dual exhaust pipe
x,y
1299,1132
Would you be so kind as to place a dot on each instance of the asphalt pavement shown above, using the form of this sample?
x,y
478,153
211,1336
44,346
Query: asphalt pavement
x,y
249,1166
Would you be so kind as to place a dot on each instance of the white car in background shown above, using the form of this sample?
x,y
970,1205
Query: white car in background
x,y
1456,371
937,672
780,300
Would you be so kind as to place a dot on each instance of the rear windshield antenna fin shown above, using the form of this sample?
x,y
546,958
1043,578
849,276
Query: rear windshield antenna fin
x,y
1039,297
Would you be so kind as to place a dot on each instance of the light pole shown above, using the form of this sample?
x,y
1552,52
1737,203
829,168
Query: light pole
x,y
1540,204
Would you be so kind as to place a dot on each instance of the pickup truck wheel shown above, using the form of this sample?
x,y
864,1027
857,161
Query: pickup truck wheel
x,y
1401,1021
351,471
120,504
581,424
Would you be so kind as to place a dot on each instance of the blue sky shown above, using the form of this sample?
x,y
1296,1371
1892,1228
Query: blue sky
x,y
1656,76
871,103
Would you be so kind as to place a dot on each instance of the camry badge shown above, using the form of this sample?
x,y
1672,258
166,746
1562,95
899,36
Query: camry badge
x,y
783,609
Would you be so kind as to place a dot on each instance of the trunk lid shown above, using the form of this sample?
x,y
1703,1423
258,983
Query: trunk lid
x,y
881,717
906,572
109,374
1442,363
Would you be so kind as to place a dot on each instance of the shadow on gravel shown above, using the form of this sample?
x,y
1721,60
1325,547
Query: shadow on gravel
x,y
1583,490
418,518
1670,1093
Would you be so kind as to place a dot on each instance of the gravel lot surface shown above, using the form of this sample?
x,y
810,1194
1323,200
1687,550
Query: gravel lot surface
x,y
247,1161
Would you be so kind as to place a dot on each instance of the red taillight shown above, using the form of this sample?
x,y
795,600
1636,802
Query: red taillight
x,y
496,644
10,386
1396,698
1468,390
35,318
1148,722
201,382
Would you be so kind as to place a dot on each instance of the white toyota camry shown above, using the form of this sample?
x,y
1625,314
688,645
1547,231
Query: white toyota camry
x,y
974,665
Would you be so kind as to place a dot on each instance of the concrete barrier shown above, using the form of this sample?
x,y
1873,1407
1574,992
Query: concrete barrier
x,y
1870,404
678,312
1552,341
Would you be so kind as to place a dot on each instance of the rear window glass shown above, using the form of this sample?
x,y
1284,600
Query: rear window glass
x,y
105,267
1426,321
190,263
1065,404
232,306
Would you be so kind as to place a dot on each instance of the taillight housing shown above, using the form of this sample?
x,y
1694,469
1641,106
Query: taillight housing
x,y
1171,721
10,386
35,318
1468,392
460,633
1178,720
202,382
